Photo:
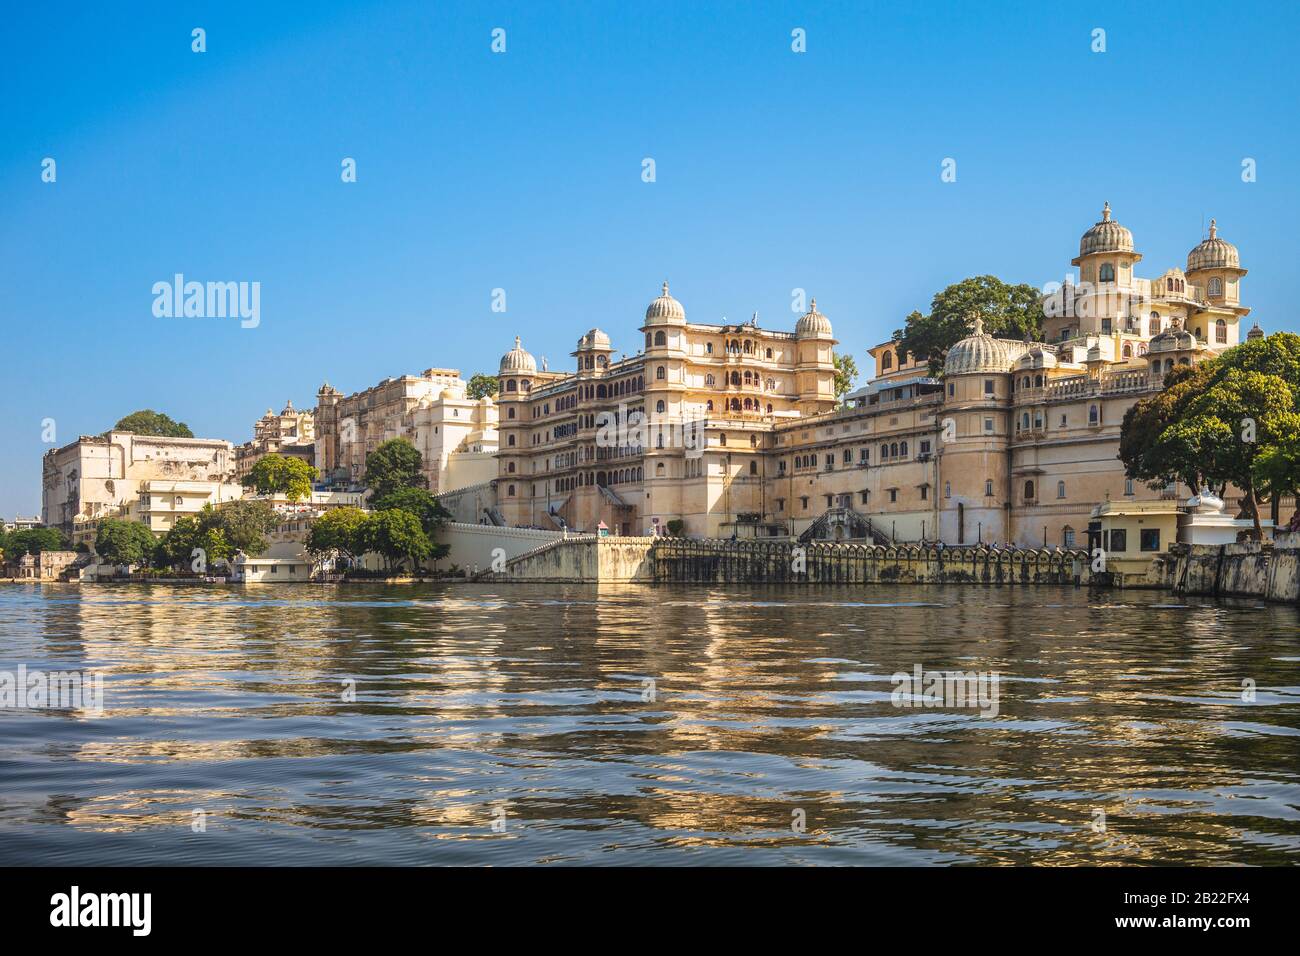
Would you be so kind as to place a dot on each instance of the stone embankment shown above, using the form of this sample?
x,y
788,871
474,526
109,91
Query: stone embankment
x,y
1234,570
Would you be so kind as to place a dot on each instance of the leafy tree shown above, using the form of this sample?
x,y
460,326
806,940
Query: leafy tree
x,y
394,465
481,384
148,422
246,523
418,502
846,370
177,546
396,535
33,541
125,542
281,474
1008,311
337,533
1145,422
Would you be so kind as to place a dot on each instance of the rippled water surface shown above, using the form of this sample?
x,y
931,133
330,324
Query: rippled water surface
x,y
528,704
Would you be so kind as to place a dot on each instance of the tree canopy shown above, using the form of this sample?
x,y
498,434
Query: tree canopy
x,y
846,371
148,422
394,465
281,474
1231,419
395,534
337,533
1008,311
14,544
125,542
246,524
481,384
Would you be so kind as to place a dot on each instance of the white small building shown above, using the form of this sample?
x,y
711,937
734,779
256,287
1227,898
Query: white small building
x,y
1204,521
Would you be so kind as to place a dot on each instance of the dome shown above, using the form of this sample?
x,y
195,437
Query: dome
x,y
1255,333
1037,356
594,339
812,324
1213,253
1106,236
665,310
981,352
517,360
1173,339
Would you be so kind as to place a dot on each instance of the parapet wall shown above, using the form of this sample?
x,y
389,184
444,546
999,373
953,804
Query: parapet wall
x,y
1235,570
586,560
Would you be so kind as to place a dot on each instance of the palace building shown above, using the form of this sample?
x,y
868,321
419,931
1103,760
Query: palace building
x,y
735,429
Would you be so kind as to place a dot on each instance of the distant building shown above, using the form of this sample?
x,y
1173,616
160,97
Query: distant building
x,y
456,435
291,433
23,524
121,473
46,566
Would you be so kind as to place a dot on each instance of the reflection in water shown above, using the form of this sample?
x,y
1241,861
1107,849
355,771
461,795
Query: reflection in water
x,y
470,700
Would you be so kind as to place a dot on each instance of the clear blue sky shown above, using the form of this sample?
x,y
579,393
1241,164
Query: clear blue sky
x,y
523,171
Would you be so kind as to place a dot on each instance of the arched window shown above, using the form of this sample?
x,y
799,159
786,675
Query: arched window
x,y
510,385
1142,348
659,405
1169,365
1024,420
753,468
735,378
1153,327
947,489
510,491
722,438
769,354
1107,272
902,449
511,412
510,468
749,347
1093,415
1038,381
1060,489
887,360
753,441
709,380
1221,331
988,487
647,340
769,408
884,451
510,441
893,449
1128,350
661,373
708,406
1029,491
1216,286
660,339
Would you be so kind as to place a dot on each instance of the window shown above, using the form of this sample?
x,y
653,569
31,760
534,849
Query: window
x,y
1105,326
887,361
925,492
1118,540
510,440
1060,489
1149,539
769,354
1094,415
952,389
988,386
803,502
659,405
1029,491
661,373
947,489
1153,328
660,339
864,496
893,495
988,424
1128,350
847,456
753,468
510,491
511,413
925,447
1128,486
1221,331
1216,286
1067,537
1107,272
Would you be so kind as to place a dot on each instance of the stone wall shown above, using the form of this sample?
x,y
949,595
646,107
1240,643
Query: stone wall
x,y
587,560
472,545
1234,570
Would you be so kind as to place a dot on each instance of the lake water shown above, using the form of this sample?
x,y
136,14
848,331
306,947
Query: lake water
x,y
517,724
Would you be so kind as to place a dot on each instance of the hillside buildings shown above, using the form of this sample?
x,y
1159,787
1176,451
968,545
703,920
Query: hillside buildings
x,y
292,432
456,435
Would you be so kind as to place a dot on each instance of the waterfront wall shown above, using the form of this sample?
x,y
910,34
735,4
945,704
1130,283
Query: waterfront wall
x,y
1234,570
585,560
735,562
472,545
713,561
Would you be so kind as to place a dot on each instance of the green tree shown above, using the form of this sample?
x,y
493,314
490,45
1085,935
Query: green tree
x,y
481,384
281,474
1144,456
1008,311
418,502
125,542
148,422
394,465
33,541
846,371
396,535
176,549
246,523
337,533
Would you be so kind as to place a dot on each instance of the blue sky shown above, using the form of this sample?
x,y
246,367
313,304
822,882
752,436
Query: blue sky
x,y
522,171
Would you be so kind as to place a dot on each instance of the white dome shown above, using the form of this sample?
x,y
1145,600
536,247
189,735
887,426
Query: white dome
x,y
1213,253
594,339
812,324
1106,236
665,310
517,360
981,352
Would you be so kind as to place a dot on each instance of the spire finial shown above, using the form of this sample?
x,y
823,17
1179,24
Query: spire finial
x,y
665,287
1105,212
518,344
979,325
814,304
1214,230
